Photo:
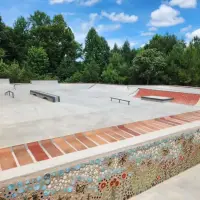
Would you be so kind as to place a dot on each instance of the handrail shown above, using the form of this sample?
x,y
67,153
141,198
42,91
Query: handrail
x,y
111,98
10,93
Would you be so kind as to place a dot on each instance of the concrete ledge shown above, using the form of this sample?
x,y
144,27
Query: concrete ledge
x,y
75,158
46,96
4,81
126,168
157,98
44,82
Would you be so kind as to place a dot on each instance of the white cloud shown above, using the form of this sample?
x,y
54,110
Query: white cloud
x,y
184,3
89,2
141,46
107,28
81,30
81,2
165,16
121,17
153,29
61,1
193,34
85,26
186,29
147,33
119,2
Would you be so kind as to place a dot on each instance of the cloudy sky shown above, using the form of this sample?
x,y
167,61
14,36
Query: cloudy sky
x,y
116,20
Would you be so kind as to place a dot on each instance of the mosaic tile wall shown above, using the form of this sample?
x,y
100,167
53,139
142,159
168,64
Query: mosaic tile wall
x,y
117,177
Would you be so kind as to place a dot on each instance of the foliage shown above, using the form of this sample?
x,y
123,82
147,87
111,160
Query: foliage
x,y
163,44
111,75
20,37
76,77
97,49
126,52
189,74
44,47
13,72
175,62
2,53
91,72
38,60
66,69
149,66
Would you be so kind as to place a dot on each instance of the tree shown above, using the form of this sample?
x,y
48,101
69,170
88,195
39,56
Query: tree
x,y
115,49
104,53
6,41
149,66
14,72
3,69
2,53
39,19
2,32
91,72
111,75
163,44
189,74
20,37
38,60
175,63
76,77
55,37
66,69
96,48
41,47
117,62
126,52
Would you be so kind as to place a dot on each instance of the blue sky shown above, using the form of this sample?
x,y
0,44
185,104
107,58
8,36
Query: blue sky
x,y
116,20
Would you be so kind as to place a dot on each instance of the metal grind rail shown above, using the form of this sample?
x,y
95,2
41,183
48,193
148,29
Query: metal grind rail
x,y
113,98
10,93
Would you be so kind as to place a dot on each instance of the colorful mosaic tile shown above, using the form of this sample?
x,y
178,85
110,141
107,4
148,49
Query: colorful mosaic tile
x,y
117,177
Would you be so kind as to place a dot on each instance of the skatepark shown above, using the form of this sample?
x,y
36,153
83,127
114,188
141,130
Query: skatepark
x,y
77,137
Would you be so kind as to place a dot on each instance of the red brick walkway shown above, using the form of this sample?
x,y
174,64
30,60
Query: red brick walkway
x,y
25,154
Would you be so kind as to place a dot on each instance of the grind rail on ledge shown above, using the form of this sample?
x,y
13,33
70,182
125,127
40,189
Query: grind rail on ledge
x,y
25,154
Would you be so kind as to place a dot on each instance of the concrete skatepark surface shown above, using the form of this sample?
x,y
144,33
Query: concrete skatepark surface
x,y
83,107
38,135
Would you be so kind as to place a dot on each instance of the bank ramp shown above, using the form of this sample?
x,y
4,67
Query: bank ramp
x,y
178,97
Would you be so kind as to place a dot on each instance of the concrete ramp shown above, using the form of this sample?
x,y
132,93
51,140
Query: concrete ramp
x,y
4,81
44,82
198,103
178,97
106,87
77,86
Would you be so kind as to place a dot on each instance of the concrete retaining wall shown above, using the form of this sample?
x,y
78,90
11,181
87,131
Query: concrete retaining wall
x,y
46,82
115,171
4,81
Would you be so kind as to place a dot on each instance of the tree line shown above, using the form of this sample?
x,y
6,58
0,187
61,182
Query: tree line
x,y
39,47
